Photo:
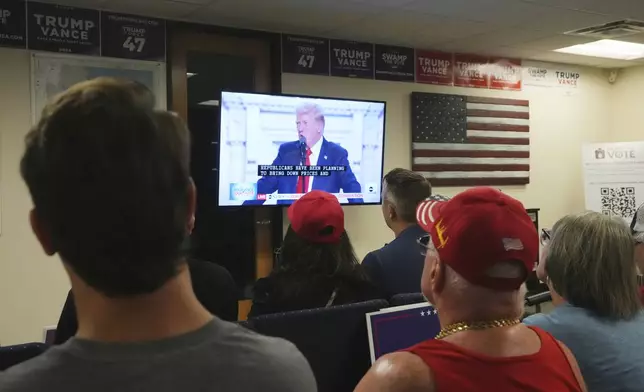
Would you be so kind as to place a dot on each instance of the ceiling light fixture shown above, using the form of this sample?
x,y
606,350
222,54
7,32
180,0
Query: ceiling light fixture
x,y
607,48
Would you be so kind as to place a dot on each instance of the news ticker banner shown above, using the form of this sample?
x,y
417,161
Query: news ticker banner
x,y
248,191
62,29
321,56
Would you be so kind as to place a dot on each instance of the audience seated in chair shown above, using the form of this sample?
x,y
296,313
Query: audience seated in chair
x,y
481,246
317,266
637,229
395,267
588,266
333,340
213,285
109,179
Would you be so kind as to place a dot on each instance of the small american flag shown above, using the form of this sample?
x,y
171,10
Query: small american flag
x,y
468,141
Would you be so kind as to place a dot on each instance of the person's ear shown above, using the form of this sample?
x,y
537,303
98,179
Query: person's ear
x,y
191,206
391,211
437,276
42,233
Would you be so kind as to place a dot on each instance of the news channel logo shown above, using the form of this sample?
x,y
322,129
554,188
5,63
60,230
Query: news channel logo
x,y
243,191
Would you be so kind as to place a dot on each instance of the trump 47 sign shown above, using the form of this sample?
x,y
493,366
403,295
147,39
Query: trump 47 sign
x,y
305,55
133,37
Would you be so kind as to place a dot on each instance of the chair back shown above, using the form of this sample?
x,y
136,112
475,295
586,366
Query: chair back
x,y
334,340
14,355
407,299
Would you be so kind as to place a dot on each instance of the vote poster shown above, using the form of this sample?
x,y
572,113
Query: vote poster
x,y
470,71
434,67
505,74
13,24
548,75
614,178
57,28
351,59
132,37
394,63
305,55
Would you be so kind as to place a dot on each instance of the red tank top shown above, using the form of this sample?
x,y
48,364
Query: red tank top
x,y
458,369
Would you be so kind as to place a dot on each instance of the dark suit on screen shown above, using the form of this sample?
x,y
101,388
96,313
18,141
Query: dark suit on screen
x,y
331,154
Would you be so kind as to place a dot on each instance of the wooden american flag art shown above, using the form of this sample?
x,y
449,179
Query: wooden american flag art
x,y
461,140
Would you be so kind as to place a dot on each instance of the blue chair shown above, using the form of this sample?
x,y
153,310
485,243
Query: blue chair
x,y
13,355
334,340
407,299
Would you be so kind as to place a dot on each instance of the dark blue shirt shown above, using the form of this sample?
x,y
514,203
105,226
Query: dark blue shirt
x,y
396,268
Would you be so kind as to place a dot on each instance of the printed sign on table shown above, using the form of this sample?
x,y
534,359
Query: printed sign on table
x,y
470,71
305,55
132,37
13,26
614,178
57,28
400,327
505,74
434,67
549,75
352,59
394,63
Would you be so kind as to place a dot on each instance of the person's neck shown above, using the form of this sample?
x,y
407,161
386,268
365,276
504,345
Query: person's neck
x,y
170,311
399,227
315,143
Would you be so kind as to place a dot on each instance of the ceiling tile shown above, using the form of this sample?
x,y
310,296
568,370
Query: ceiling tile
x,y
553,42
617,8
310,17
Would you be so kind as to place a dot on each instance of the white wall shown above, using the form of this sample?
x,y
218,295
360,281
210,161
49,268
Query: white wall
x,y
627,106
32,286
560,124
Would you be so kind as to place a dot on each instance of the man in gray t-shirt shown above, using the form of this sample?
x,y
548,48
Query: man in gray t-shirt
x,y
109,178
220,356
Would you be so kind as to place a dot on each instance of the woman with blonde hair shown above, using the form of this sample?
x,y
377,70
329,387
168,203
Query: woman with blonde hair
x,y
588,264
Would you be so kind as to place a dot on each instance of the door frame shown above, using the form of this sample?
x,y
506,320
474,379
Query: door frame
x,y
187,40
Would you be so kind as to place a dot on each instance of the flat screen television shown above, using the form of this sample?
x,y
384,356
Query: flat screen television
x,y
275,148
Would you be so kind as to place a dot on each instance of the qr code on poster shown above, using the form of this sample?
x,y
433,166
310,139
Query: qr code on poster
x,y
618,201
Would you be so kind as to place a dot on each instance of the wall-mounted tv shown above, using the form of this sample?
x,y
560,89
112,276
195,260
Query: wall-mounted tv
x,y
275,148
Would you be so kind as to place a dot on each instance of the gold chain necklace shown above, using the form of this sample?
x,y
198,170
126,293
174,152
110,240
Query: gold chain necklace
x,y
478,325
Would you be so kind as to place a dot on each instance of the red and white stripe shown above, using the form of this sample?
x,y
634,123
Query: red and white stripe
x,y
497,151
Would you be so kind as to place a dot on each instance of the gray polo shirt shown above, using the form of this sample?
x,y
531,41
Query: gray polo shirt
x,y
220,356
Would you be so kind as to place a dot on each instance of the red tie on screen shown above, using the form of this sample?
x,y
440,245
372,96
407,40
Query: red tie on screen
x,y
302,181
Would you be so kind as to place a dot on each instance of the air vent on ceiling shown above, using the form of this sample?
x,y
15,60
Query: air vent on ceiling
x,y
621,28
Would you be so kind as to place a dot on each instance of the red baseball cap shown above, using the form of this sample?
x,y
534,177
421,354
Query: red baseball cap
x,y
477,229
317,217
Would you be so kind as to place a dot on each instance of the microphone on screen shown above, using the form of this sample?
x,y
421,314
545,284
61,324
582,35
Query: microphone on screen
x,y
538,299
302,150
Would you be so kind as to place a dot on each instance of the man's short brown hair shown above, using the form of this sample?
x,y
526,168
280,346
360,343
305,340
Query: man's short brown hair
x,y
109,178
405,190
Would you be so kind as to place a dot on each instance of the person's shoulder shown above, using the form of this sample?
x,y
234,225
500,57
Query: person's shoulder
x,y
332,147
283,367
34,375
540,320
372,258
214,269
289,146
401,371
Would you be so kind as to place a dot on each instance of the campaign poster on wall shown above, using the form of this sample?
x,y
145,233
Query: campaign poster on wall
x,y
470,71
540,74
13,24
434,67
57,28
305,55
132,37
505,74
614,178
352,59
394,63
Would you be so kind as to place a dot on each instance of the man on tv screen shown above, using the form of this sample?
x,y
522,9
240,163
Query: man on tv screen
x,y
311,149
